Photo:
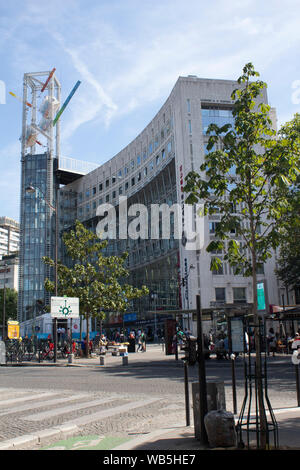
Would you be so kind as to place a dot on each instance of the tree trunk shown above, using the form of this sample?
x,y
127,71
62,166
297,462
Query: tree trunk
x,y
257,336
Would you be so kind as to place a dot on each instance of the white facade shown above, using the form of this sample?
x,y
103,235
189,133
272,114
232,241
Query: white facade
x,y
9,236
9,272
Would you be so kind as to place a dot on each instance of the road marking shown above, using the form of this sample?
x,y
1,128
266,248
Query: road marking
x,y
82,420
67,409
43,403
26,398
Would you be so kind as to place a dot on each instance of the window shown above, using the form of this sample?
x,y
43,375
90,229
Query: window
x,y
113,179
100,201
132,164
169,147
132,181
219,271
139,177
220,294
94,204
138,160
260,269
120,190
120,174
107,183
114,194
213,226
190,126
157,160
94,191
163,154
107,198
150,148
126,170
145,171
188,103
87,194
214,115
239,295
126,185
80,197
100,187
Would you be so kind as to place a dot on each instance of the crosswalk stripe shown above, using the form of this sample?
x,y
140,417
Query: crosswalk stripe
x,y
11,401
67,409
39,404
82,420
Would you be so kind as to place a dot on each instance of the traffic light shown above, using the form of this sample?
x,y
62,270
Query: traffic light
x,y
190,351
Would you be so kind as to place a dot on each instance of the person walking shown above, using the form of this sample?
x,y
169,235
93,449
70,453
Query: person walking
x,y
139,342
143,339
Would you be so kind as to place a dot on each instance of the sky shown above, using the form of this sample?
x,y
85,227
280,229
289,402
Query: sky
x,y
128,55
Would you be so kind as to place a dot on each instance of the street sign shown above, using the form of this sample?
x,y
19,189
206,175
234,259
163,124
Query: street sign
x,y
237,334
64,307
261,299
13,329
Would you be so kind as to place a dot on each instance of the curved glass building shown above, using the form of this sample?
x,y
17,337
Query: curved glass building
x,y
148,174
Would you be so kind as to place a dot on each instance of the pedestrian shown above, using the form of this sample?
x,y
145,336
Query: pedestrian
x,y
296,341
272,343
143,339
139,342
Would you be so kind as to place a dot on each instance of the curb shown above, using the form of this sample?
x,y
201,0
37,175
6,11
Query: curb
x,y
147,438
40,437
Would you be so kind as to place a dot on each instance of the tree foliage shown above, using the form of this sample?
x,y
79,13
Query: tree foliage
x,y
288,269
245,178
11,304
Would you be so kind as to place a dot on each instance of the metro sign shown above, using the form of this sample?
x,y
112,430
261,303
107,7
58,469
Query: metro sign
x,y
64,307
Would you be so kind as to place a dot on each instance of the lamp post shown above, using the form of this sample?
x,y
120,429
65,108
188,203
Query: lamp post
x,y
4,304
35,190
153,297
185,281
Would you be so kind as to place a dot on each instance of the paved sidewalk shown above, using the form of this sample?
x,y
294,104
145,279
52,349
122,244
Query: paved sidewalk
x,y
182,438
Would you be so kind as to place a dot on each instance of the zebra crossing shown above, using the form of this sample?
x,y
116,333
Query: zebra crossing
x,y
35,417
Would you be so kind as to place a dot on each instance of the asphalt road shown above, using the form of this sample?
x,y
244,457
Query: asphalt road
x,y
144,396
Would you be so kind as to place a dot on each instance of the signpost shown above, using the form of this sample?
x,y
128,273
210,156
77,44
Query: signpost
x,y
63,308
236,345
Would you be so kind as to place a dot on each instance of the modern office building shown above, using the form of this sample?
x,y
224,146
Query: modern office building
x,y
149,171
9,236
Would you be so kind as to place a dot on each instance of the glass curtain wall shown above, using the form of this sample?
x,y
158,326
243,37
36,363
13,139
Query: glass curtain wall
x,y
37,238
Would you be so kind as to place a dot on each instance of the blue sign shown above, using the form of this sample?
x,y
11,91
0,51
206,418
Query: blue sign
x,y
130,317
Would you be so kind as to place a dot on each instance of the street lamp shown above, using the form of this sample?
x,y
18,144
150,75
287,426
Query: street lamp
x,y
185,284
35,190
154,297
4,303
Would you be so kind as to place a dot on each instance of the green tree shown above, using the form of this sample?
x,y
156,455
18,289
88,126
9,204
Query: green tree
x,y
245,179
94,278
288,269
11,304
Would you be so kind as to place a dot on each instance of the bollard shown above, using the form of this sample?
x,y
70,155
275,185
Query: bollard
x,y
125,360
70,358
102,360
